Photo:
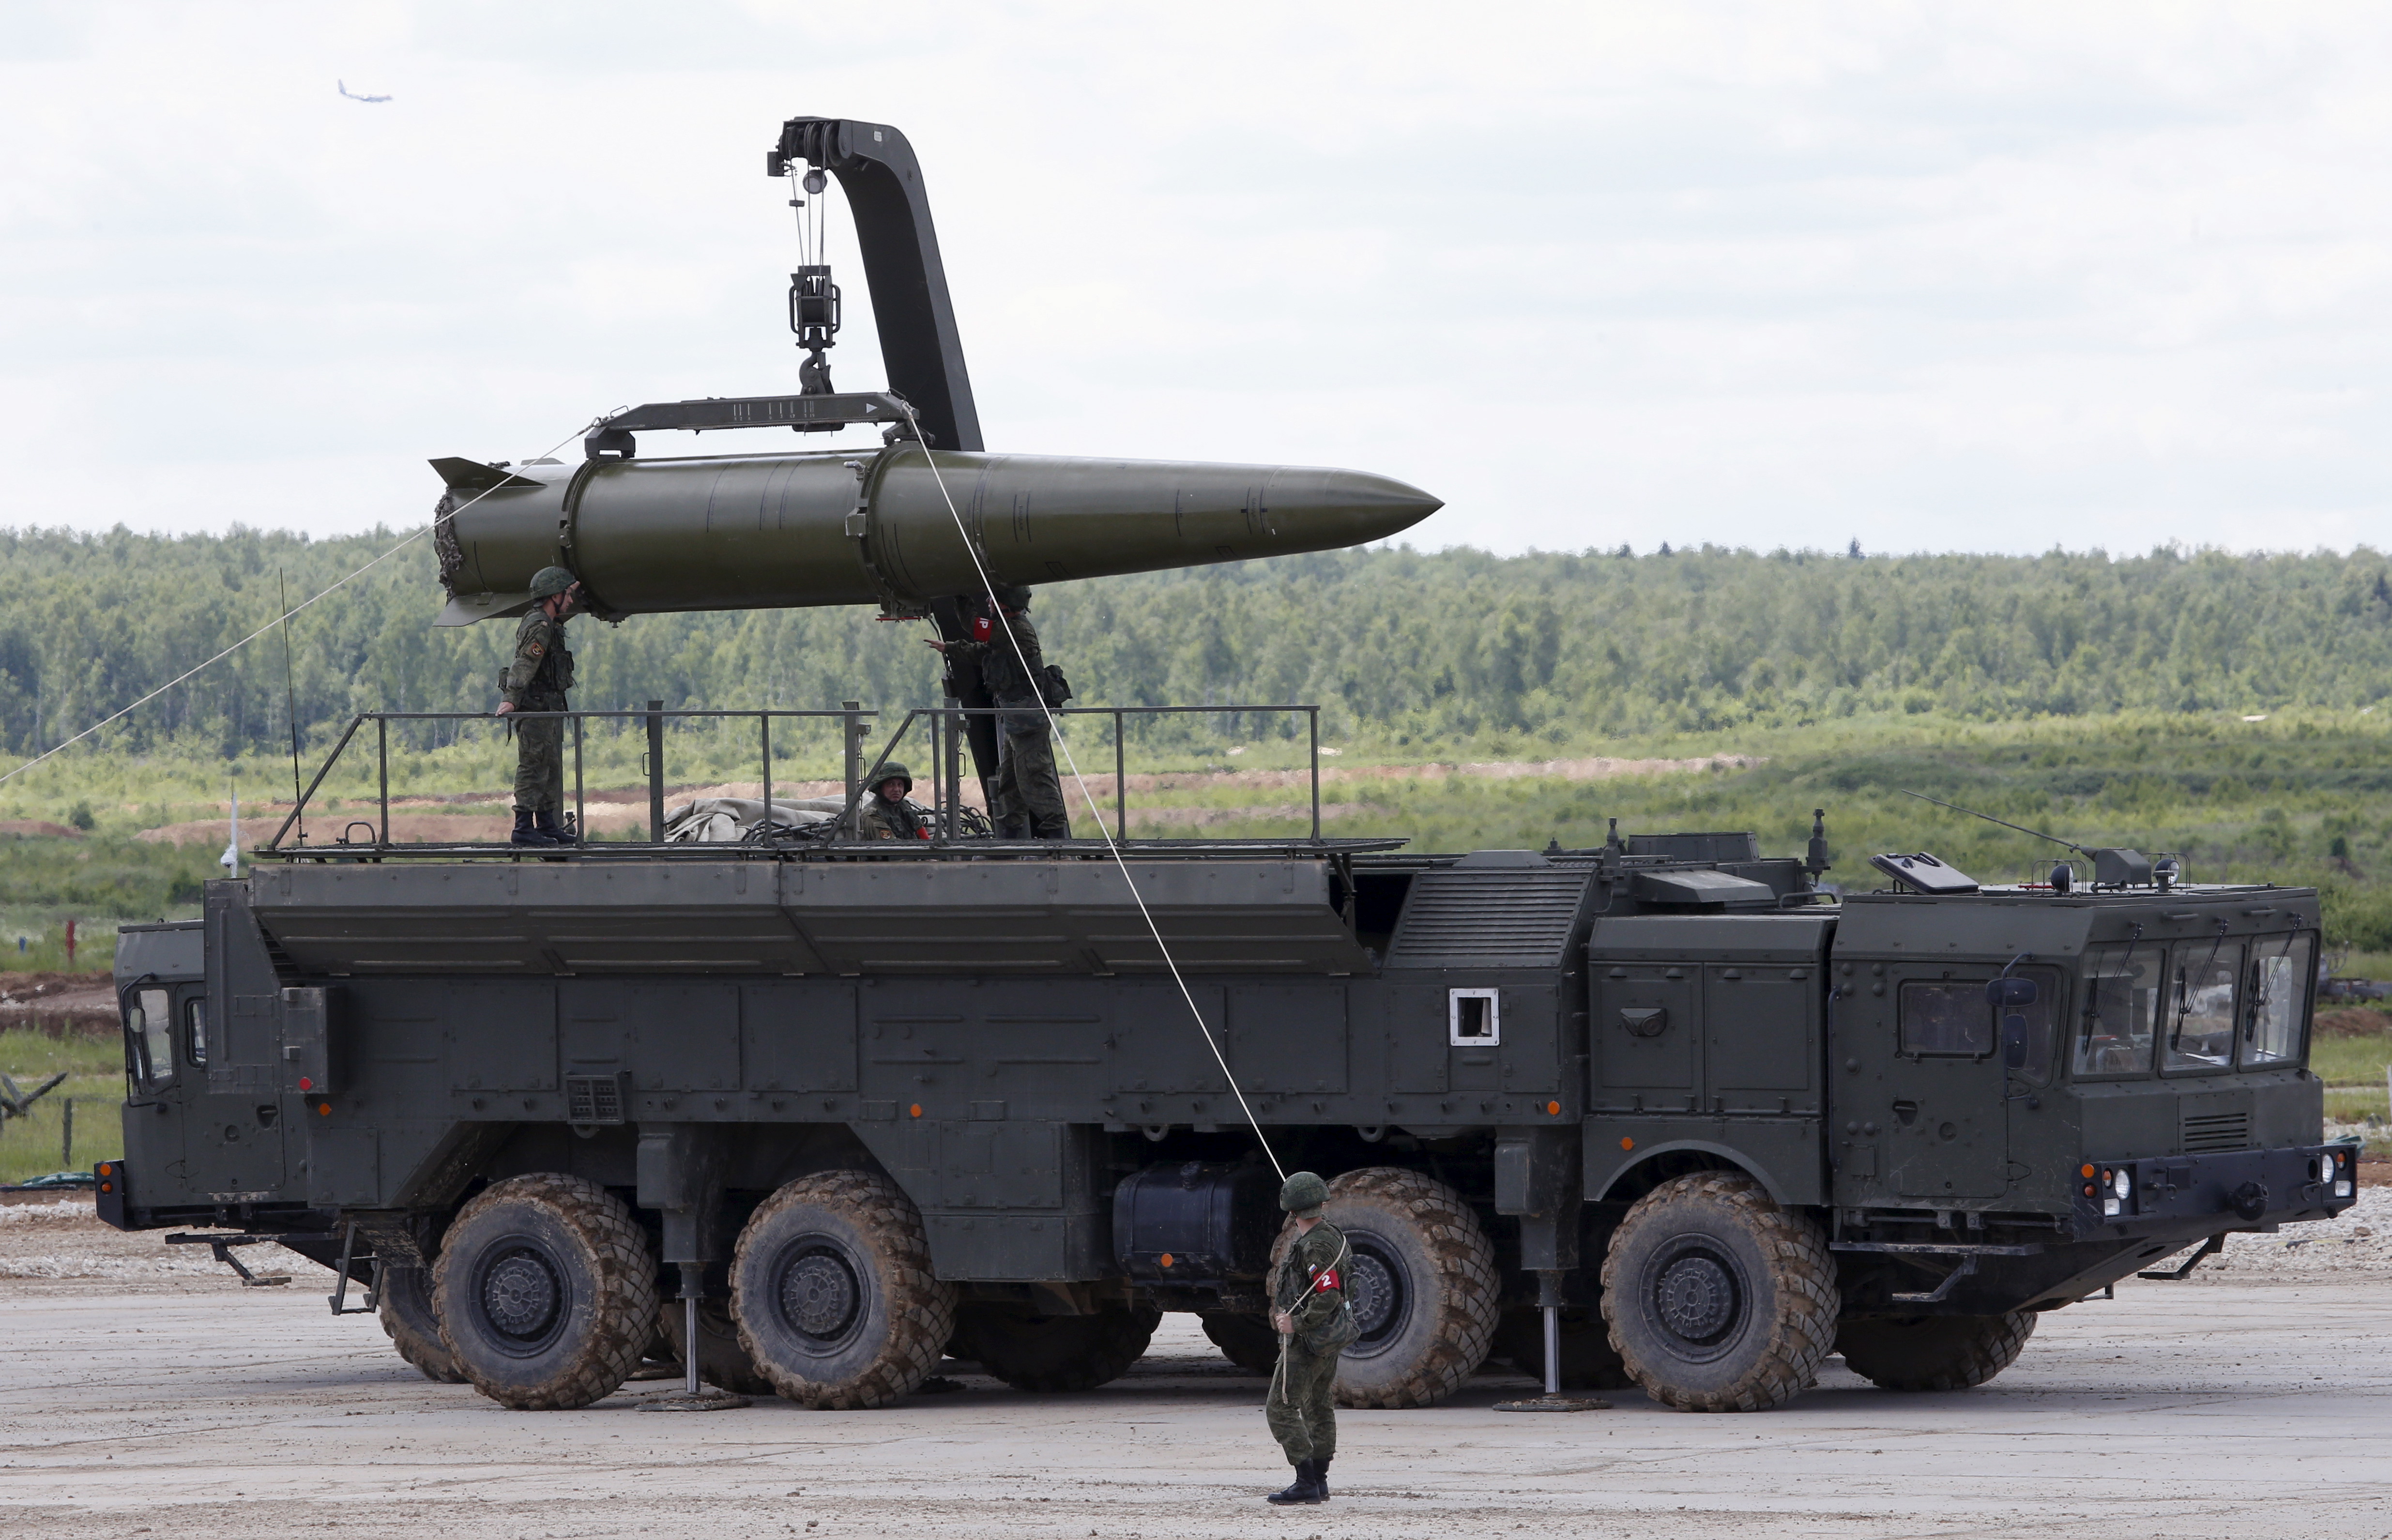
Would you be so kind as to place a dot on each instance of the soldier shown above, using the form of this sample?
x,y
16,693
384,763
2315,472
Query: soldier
x,y
536,681
1026,798
1309,1310
887,815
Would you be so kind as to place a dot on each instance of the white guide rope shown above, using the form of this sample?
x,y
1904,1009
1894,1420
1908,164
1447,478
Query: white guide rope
x,y
1056,730
281,619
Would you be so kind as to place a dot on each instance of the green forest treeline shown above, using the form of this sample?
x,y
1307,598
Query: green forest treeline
x,y
1402,648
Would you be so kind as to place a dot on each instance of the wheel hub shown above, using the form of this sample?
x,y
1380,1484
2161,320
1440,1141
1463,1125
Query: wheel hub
x,y
521,1296
1374,1287
1697,1297
820,1295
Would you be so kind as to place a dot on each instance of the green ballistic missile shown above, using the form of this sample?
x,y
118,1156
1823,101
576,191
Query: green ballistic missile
x,y
769,532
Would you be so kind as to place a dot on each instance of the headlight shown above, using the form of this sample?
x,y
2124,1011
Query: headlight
x,y
2123,1183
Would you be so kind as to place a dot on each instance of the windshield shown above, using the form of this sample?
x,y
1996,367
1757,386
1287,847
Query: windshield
x,y
2279,975
2201,1013
2121,1001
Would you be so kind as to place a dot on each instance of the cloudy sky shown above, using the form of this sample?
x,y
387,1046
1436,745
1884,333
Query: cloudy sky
x,y
1943,277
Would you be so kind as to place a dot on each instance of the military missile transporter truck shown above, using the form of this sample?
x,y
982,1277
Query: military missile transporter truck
x,y
1658,1111
877,1102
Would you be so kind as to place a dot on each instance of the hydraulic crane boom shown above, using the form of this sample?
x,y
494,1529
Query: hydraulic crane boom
x,y
919,347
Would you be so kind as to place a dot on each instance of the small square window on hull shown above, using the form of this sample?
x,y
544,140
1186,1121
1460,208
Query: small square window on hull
x,y
1473,1018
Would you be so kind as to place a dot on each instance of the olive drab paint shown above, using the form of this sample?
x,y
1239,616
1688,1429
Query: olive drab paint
x,y
1866,1087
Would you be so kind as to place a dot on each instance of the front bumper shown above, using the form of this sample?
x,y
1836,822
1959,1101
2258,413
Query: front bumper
x,y
2247,1187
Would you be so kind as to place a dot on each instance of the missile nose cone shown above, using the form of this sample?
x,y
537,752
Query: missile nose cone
x,y
1374,507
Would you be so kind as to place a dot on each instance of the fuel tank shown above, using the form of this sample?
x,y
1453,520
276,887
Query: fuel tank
x,y
767,532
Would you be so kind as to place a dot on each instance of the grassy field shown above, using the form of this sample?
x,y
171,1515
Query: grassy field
x,y
34,1145
2300,798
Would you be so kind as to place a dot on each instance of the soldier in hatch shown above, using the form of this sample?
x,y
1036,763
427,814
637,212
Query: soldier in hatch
x,y
1026,798
1313,1322
536,681
887,815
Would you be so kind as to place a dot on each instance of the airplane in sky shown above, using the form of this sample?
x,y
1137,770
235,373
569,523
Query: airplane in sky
x,y
352,96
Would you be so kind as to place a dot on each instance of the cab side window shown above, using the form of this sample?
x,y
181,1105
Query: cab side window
x,y
149,1030
1946,1017
1955,1017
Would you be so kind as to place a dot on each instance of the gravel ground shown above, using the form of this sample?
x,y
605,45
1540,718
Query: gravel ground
x,y
213,1413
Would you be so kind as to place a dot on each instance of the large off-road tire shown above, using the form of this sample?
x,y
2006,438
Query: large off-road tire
x,y
1933,1352
1718,1299
546,1292
413,1326
1589,1361
832,1290
722,1360
1058,1352
1422,1283
1245,1340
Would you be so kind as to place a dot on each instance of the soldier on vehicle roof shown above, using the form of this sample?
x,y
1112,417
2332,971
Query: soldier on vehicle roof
x,y
1314,1322
1026,797
887,815
536,681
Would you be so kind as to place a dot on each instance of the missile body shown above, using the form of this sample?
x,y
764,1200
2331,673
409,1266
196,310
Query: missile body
x,y
762,531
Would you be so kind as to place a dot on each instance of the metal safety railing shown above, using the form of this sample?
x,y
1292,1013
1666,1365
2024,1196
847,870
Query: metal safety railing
x,y
947,728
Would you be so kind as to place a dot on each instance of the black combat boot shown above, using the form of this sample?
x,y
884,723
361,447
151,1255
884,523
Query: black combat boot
x,y
1320,1475
1306,1488
547,828
524,834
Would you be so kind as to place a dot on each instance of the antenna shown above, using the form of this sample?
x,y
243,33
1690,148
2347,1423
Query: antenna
x,y
2004,822
2113,866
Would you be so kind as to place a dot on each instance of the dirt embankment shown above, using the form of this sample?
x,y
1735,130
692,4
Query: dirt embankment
x,y
39,828
57,1004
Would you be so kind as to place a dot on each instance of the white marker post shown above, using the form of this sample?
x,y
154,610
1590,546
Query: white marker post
x,y
230,859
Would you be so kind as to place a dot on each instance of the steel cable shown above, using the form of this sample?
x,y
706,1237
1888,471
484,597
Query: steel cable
x,y
283,618
1055,729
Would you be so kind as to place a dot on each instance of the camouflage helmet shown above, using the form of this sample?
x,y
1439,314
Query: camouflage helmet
x,y
1303,1195
892,771
549,581
1012,596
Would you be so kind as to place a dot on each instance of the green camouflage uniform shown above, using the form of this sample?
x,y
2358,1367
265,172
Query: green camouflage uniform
x,y
1309,1285
536,681
1026,798
898,820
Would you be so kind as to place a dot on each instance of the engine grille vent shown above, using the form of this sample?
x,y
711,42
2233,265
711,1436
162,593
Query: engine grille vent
x,y
1510,918
2216,1130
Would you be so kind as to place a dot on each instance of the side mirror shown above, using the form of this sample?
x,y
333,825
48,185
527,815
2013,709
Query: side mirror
x,y
2014,1042
2011,992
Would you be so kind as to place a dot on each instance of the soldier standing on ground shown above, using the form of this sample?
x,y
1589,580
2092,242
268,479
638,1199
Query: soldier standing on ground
x,y
1026,798
887,814
536,681
1308,1309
